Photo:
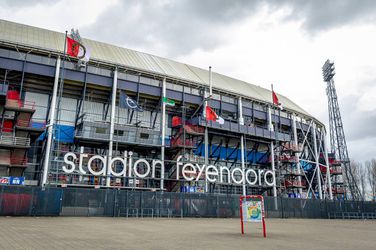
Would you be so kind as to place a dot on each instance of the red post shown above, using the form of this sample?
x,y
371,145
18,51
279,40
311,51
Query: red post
x,y
263,212
263,227
241,215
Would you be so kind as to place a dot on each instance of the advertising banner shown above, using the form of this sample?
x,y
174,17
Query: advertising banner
x,y
4,180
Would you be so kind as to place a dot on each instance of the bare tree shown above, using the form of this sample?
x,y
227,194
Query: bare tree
x,y
360,176
371,176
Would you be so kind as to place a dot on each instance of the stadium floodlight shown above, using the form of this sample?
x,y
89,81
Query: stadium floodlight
x,y
328,70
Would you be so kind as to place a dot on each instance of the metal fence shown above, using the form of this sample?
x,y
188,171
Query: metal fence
x,y
53,201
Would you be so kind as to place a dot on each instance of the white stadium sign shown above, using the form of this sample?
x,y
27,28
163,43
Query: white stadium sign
x,y
189,171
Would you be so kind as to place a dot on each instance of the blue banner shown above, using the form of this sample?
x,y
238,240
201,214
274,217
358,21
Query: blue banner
x,y
17,180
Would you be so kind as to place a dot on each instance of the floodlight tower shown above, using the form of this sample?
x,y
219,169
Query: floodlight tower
x,y
337,135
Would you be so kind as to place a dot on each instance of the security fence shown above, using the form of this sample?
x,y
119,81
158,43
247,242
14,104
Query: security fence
x,y
54,201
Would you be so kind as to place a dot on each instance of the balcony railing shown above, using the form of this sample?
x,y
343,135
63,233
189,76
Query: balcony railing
x,y
122,133
244,129
18,103
15,141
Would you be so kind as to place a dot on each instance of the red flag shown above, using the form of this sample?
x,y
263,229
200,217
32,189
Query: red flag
x,y
275,98
73,47
212,116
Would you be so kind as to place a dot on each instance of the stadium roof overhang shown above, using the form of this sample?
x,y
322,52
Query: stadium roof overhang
x,y
51,42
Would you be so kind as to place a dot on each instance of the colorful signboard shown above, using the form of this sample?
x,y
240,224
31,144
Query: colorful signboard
x,y
252,211
4,180
12,180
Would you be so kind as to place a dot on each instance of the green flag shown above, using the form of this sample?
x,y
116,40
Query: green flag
x,y
168,102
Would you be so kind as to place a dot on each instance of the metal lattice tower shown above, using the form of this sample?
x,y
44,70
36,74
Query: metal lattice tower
x,y
337,135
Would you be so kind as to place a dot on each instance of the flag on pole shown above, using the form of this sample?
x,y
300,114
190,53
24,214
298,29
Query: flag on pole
x,y
212,116
76,49
275,99
128,103
168,102
87,54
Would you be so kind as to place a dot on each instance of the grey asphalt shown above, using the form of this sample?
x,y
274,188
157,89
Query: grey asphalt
x,y
122,233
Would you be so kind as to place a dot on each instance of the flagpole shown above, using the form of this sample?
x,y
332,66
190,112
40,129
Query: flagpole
x,y
271,129
163,132
61,87
112,127
242,153
206,97
51,122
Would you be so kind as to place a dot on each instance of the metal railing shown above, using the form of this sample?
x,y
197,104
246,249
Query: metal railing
x,y
15,141
123,133
18,103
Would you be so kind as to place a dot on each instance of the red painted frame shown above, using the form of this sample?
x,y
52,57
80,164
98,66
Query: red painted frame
x,y
262,212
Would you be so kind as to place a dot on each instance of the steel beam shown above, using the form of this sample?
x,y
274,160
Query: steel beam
x,y
51,123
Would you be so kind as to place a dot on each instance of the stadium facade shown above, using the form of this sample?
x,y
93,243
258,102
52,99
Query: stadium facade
x,y
64,124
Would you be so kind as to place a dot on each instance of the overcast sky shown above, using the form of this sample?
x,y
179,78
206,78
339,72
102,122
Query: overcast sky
x,y
278,42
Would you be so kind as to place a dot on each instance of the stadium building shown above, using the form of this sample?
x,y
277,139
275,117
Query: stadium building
x,y
131,120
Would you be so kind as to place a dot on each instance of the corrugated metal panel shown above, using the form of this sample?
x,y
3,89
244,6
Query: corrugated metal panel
x,y
68,111
41,102
93,111
50,40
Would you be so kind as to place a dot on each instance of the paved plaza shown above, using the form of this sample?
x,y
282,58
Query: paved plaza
x,y
189,233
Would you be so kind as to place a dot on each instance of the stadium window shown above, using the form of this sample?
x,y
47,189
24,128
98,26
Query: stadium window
x,y
177,87
195,91
284,114
228,99
100,130
187,89
169,85
155,82
4,52
92,70
216,97
122,75
145,80
118,132
257,106
228,115
247,104
144,136
132,78
105,72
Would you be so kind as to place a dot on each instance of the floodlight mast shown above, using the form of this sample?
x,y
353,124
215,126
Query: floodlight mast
x,y
337,135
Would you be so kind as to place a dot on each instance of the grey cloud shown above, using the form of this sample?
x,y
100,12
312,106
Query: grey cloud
x,y
24,4
180,26
358,125
183,26
323,15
